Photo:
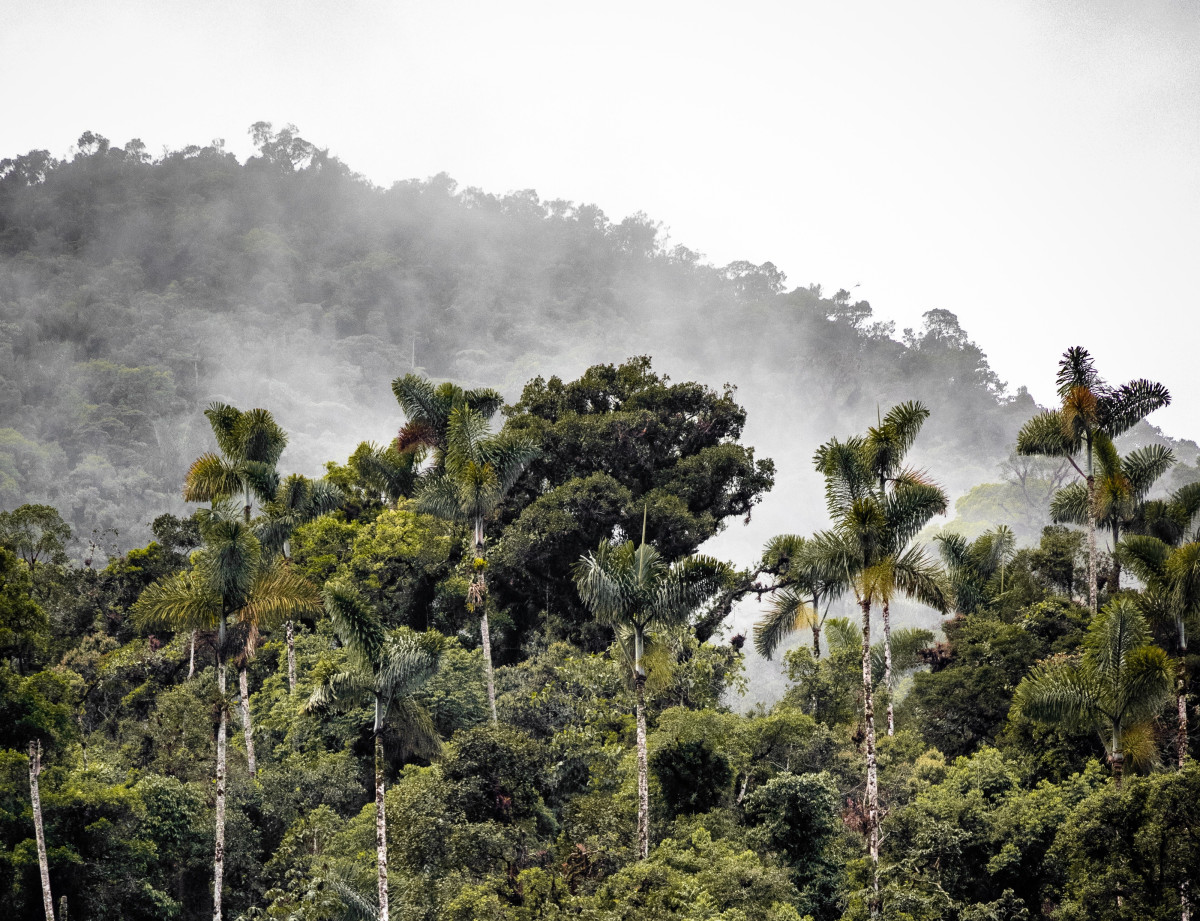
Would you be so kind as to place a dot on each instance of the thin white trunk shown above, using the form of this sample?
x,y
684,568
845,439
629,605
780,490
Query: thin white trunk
x,y
643,829
872,768
291,644
887,665
219,850
192,658
1181,730
247,724
484,630
487,661
1185,900
35,769
1092,589
380,815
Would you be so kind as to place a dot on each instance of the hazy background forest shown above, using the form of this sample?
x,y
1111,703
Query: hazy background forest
x,y
136,289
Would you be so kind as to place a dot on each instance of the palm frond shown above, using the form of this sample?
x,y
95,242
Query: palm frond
x,y
211,478
1070,505
279,593
341,691
180,602
355,623
1130,403
1144,466
1076,370
788,612
1046,435
223,419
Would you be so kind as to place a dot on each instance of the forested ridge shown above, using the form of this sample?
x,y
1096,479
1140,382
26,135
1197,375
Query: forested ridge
x,y
396,601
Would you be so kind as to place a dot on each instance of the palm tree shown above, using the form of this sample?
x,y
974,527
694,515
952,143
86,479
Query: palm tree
x,y
1172,579
250,443
1090,408
886,446
801,586
297,501
870,530
1121,489
428,408
635,588
227,580
477,470
391,472
976,568
1117,686
386,672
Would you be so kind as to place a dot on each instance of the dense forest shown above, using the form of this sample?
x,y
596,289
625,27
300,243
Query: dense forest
x,y
350,566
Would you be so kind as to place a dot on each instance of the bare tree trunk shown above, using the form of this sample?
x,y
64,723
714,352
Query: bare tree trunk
x,y
643,829
192,658
887,665
487,662
1185,901
291,644
484,630
35,795
816,632
872,767
1181,729
247,725
1117,760
219,851
1092,589
380,817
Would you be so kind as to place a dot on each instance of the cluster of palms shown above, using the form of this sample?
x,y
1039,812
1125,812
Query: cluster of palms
x,y
877,505
240,582
448,461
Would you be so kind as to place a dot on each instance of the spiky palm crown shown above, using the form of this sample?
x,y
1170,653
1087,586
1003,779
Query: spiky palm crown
x,y
1121,485
1171,575
297,500
1088,406
386,668
250,443
1119,683
479,469
229,577
428,408
634,585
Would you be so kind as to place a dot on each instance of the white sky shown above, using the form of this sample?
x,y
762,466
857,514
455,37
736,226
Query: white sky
x,y
1033,167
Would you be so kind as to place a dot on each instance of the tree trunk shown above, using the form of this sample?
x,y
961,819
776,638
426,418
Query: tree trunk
x,y
485,632
872,768
291,644
192,658
35,795
380,814
816,631
219,851
1185,901
1116,560
1117,760
639,681
1181,688
247,724
1091,491
887,665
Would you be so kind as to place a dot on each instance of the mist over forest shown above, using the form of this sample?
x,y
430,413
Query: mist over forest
x,y
138,291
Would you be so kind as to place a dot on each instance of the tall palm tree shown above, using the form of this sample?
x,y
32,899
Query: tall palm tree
x,y
297,501
802,585
870,530
227,581
1172,579
477,470
1090,408
428,407
636,588
1116,687
250,443
886,446
1121,488
385,672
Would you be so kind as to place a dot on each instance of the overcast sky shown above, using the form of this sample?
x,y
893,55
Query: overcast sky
x,y
1033,167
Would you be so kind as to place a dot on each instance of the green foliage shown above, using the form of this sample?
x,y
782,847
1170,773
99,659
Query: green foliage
x,y
691,776
24,626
